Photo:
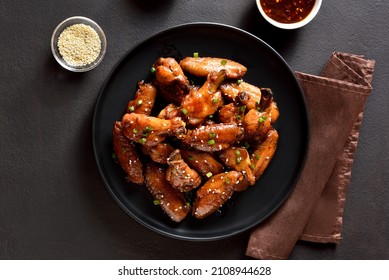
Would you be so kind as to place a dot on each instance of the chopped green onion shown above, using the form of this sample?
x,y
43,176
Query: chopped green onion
x,y
195,54
140,102
135,131
184,111
262,119
190,157
211,142
246,145
257,156
187,204
228,180
223,62
131,108
242,108
259,109
252,166
153,70
215,100
124,150
148,128
212,135
157,202
257,102
210,116
238,82
237,152
238,160
238,117
209,174
143,140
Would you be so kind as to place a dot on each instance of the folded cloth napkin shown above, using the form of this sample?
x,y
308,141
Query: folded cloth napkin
x,y
314,210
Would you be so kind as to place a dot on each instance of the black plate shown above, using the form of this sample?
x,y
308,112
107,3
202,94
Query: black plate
x,y
266,68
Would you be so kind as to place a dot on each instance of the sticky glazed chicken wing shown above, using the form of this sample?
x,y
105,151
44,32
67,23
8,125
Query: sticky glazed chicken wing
x,y
256,125
144,99
212,138
244,93
204,101
214,193
268,105
158,153
150,131
238,159
264,152
204,163
169,112
180,175
127,155
170,79
231,113
202,66
168,198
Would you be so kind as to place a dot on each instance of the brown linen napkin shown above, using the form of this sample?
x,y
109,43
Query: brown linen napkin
x,y
314,210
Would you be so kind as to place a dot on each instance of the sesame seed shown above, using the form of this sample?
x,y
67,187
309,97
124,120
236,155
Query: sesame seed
x,y
79,45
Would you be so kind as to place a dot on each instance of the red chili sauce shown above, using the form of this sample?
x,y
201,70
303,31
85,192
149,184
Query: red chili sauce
x,y
287,11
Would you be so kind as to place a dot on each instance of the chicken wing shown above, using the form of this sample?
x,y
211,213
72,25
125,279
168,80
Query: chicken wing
x,y
170,199
170,79
127,156
150,131
214,193
263,154
204,101
231,113
203,162
180,175
238,159
202,66
158,153
169,112
243,93
144,99
256,125
211,138
268,105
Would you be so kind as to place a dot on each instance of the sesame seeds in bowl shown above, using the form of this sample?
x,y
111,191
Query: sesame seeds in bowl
x,y
78,44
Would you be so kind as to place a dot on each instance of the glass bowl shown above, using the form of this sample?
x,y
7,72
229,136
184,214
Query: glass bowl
x,y
69,22
295,25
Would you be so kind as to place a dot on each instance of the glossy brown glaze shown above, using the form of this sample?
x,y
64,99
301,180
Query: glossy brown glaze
x,y
150,131
204,163
238,159
180,175
204,101
168,198
212,138
202,66
127,155
214,193
144,99
170,79
263,154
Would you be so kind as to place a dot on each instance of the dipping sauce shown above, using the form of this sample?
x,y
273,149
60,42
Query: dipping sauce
x,y
287,11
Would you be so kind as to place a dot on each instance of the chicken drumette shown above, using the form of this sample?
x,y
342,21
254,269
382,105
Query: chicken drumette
x,y
202,66
150,131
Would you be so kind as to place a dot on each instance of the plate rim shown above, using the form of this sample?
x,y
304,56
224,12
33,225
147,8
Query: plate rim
x,y
115,68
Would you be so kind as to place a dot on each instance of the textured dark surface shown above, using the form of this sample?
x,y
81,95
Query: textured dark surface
x,y
53,203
